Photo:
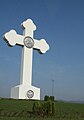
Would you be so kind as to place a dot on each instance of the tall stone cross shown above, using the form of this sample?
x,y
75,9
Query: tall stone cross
x,y
25,90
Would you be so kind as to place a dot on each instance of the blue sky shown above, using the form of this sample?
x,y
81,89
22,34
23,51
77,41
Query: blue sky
x,y
61,23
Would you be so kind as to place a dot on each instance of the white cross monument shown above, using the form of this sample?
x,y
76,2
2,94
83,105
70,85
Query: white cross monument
x,y
25,90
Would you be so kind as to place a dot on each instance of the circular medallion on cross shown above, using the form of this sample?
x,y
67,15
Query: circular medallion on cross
x,y
28,42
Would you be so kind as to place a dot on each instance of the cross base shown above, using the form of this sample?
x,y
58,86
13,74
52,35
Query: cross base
x,y
25,92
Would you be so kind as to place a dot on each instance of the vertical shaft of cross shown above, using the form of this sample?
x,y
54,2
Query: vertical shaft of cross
x,y
26,63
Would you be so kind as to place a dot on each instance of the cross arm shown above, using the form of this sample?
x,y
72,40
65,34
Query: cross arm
x,y
13,38
41,45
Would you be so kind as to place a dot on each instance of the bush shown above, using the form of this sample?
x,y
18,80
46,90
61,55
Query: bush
x,y
52,98
46,98
37,108
53,108
45,108
49,107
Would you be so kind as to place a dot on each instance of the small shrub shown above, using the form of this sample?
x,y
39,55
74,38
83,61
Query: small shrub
x,y
46,98
53,108
37,107
45,108
49,107
52,98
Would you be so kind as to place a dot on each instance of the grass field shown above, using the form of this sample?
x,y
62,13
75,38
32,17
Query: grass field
x,y
21,109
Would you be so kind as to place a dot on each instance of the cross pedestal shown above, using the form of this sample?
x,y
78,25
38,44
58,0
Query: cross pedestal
x,y
25,90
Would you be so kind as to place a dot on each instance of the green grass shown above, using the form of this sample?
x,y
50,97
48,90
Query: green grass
x,y
19,110
16,105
